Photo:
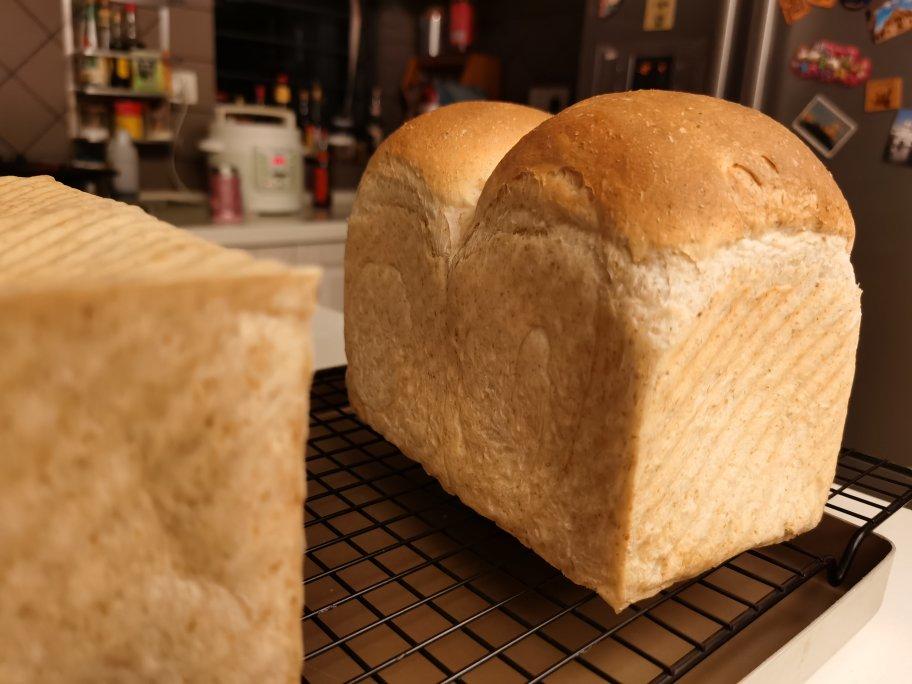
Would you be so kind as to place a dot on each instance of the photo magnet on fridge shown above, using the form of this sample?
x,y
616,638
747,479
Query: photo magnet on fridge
x,y
793,10
659,15
824,126
899,144
883,94
889,18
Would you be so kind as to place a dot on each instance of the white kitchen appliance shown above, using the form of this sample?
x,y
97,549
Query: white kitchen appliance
x,y
264,145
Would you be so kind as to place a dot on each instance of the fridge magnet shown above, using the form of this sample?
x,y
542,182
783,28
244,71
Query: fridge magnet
x,y
824,126
659,15
883,94
889,18
826,4
607,7
793,10
830,62
650,73
899,144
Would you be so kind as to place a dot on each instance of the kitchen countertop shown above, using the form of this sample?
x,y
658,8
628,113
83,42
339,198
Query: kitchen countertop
x,y
273,231
880,651
308,227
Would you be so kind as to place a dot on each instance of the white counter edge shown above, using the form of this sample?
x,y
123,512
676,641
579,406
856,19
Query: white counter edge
x,y
272,233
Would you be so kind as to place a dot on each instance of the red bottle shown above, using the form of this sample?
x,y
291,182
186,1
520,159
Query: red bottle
x,y
322,197
462,24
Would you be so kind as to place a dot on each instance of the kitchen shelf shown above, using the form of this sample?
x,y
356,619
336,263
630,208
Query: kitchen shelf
x,y
92,52
161,4
77,94
108,91
404,582
143,141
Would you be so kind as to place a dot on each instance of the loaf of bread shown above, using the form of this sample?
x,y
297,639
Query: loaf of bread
x,y
153,402
631,344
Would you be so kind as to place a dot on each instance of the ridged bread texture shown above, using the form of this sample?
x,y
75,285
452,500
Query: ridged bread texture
x,y
153,401
649,341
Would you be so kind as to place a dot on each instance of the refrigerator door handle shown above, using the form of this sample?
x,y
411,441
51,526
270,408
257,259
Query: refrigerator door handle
x,y
759,52
728,12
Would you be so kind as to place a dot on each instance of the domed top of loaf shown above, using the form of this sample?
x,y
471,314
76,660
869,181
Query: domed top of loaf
x,y
455,148
666,170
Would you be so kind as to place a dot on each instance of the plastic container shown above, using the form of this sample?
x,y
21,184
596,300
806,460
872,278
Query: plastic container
x,y
128,116
225,194
123,158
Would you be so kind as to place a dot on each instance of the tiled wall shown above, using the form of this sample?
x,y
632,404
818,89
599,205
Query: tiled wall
x,y
32,97
33,101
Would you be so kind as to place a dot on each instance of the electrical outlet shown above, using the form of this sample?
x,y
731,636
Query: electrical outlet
x,y
184,87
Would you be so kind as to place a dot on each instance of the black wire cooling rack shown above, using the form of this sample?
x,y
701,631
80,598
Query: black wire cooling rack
x,y
404,583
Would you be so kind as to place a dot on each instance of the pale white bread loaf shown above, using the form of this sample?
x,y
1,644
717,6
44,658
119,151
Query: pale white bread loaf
x,y
153,399
652,325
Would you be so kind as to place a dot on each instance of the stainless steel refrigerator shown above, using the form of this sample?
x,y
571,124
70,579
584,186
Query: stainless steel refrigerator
x,y
741,50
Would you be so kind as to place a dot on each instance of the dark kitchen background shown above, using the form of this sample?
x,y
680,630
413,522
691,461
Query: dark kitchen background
x,y
59,112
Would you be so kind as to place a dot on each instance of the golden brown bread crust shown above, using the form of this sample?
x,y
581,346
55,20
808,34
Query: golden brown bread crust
x,y
678,171
455,147
639,360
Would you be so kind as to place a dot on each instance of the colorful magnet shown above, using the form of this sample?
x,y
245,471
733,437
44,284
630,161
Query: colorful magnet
x,y
883,94
607,7
793,10
659,15
889,18
824,126
899,144
652,73
831,62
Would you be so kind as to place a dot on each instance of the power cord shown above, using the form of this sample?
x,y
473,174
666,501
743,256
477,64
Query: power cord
x,y
181,117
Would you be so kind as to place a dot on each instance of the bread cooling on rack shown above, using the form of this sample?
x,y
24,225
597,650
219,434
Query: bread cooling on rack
x,y
153,402
635,354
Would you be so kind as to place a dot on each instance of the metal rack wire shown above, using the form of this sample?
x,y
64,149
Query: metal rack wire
x,y
404,582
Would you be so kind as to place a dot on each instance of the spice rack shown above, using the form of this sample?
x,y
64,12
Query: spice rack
x,y
80,97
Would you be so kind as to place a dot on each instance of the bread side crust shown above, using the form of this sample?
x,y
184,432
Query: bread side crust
x,y
156,549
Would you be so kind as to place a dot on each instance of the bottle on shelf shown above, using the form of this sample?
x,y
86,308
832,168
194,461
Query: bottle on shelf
x,y
462,24
92,69
130,36
316,114
123,159
304,118
129,117
90,26
116,27
322,196
259,94
320,184
281,92
122,72
104,24
374,116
